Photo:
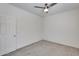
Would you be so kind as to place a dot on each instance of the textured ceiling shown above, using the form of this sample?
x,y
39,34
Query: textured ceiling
x,y
60,7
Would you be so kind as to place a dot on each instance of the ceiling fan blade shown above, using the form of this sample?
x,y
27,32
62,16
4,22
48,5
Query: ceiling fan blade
x,y
46,4
52,5
39,7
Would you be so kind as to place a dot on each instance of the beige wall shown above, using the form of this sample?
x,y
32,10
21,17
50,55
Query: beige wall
x,y
63,28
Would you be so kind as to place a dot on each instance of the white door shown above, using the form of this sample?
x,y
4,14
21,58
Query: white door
x,y
7,34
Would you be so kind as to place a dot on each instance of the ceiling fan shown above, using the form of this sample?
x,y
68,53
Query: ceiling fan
x,y
46,7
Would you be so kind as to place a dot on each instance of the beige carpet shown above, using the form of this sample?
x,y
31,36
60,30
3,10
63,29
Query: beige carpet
x,y
45,48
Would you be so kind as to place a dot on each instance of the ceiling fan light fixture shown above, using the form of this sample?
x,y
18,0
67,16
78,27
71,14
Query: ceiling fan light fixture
x,y
46,7
46,10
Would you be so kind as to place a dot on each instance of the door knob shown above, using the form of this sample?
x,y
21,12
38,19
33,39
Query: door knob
x,y
14,35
